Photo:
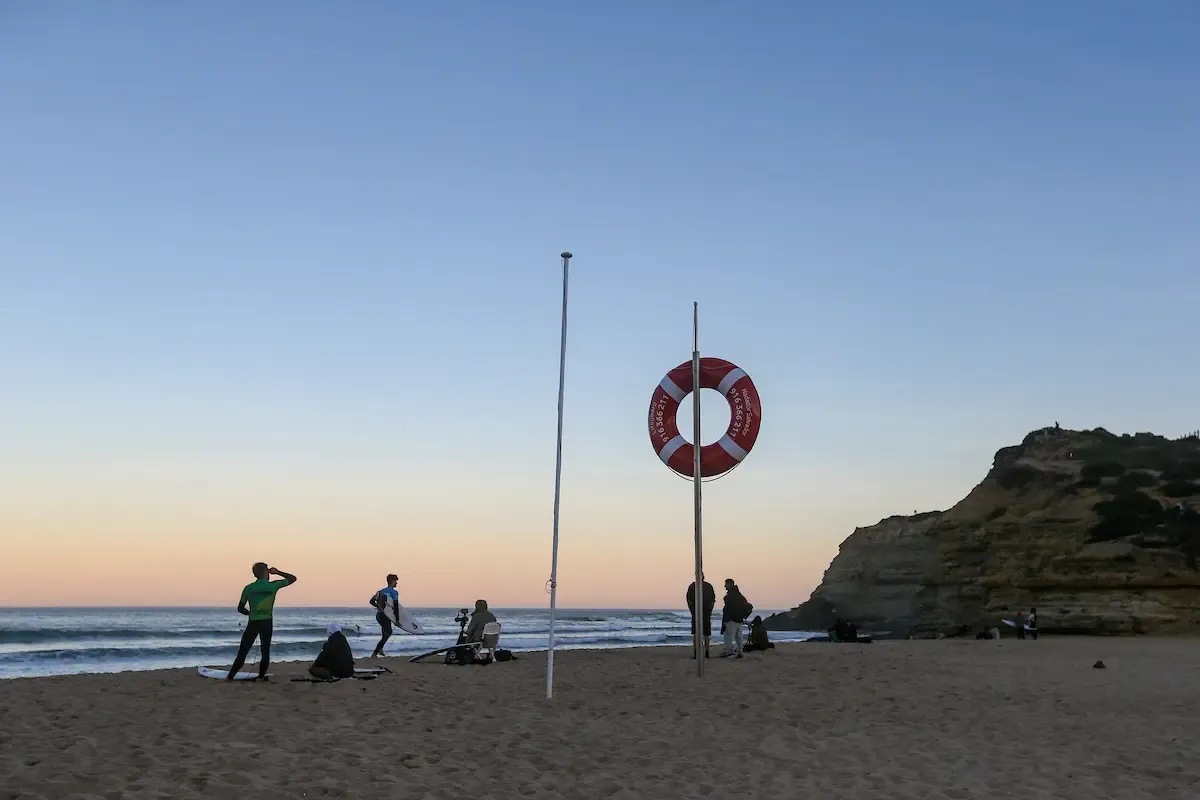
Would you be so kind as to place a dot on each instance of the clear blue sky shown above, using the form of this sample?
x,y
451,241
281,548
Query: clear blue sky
x,y
254,253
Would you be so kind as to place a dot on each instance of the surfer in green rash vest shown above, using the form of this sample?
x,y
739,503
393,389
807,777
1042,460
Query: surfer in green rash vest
x,y
258,603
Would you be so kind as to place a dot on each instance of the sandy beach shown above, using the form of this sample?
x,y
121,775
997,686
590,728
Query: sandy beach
x,y
923,719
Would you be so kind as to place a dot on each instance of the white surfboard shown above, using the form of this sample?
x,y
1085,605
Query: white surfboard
x,y
408,623
1012,624
209,672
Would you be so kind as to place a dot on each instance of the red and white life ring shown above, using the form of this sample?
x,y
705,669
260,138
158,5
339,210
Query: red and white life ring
x,y
745,417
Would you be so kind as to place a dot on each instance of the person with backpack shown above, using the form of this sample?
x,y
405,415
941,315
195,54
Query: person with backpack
x,y
733,617
387,611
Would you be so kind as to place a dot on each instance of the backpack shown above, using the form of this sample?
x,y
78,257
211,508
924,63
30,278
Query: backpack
x,y
460,655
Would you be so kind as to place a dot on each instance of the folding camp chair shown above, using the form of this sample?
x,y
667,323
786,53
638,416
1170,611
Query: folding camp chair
x,y
491,640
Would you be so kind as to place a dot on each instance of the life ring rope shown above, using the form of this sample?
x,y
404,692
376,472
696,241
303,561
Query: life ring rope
x,y
688,478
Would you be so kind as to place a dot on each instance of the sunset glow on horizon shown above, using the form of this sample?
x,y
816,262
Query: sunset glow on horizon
x,y
281,282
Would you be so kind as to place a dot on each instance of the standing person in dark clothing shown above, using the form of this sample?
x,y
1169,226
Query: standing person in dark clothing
x,y
733,616
1020,625
258,603
1033,623
710,601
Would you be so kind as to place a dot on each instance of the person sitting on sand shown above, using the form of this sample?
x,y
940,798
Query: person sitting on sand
x,y
335,659
258,603
479,618
709,600
843,631
758,637
733,617
387,610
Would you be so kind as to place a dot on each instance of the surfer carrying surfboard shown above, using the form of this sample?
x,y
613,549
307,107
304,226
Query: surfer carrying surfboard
x,y
258,603
387,611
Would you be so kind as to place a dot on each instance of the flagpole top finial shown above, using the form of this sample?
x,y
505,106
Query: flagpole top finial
x,y
566,255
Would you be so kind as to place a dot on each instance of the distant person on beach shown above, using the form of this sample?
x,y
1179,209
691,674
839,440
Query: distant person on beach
x,y
733,617
1033,623
387,610
258,603
335,659
843,631
1020,620
709,600
758,637
479,618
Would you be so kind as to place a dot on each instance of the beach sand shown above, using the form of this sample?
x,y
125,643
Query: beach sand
x,y
925,719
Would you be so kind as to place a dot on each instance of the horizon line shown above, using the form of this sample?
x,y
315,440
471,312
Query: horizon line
x,y
339,608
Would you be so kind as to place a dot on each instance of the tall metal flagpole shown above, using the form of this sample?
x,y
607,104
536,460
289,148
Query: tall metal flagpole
x,y
699,632
562,374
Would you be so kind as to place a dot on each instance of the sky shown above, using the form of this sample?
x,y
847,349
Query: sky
x,y
280,281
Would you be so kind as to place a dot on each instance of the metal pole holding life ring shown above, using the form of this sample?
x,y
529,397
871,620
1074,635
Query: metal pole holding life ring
x,y
690,459
698,629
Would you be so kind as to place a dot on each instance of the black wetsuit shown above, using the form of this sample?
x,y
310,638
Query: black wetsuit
x,y
384,599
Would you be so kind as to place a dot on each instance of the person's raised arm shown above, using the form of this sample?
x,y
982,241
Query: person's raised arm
x,y
288,578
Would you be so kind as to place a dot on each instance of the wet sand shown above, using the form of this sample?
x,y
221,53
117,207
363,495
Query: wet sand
x,y
946,719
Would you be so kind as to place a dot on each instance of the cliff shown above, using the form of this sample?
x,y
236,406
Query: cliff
x,y
1095,530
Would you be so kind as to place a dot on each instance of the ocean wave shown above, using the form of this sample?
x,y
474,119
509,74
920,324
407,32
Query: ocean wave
x,y
99,654
56,642
52,635
283,650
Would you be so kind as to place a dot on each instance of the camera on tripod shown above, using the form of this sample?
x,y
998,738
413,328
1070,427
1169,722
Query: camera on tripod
x,y
461,653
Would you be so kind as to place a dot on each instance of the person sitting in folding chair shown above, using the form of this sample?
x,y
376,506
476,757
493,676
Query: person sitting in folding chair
x,y
479,619
483,631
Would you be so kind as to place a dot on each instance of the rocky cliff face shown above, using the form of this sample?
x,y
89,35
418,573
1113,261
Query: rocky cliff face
x,y
1095,530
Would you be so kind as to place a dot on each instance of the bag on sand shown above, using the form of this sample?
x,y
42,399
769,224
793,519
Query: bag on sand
x,y
505,655
458,656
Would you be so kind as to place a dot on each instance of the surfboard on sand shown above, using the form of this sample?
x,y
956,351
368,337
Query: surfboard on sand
x,y
209,672
432,653
1012,624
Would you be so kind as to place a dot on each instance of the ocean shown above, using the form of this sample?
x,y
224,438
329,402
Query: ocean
x,y
66,641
